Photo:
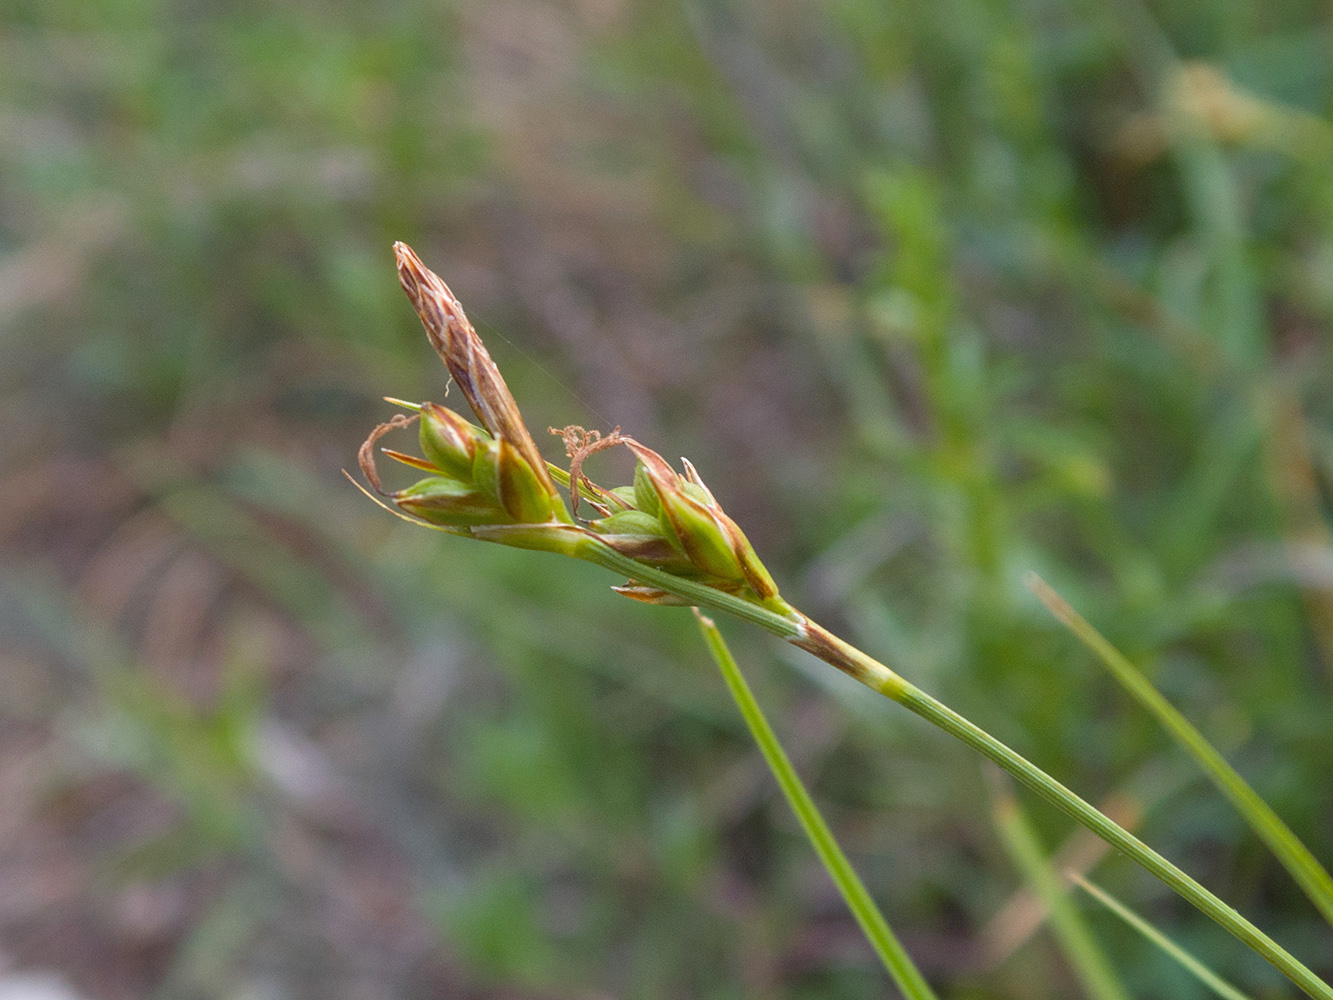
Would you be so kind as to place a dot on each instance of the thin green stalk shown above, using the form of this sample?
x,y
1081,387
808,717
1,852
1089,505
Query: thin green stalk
x,y
1204,974
1285,845
870,671
1086,958
867,914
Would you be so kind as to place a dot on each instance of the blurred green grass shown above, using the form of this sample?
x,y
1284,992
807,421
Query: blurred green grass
x,y
932,294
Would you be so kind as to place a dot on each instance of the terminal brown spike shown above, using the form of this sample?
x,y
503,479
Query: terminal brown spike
x,y
468,362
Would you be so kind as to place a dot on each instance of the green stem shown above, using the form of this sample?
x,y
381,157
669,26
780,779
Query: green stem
x,y
1204,974
1285,845
870,671
867,914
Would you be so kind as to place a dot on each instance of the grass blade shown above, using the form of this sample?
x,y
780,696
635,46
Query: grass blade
x,y
1085,957
1285,845
867,914
1200,971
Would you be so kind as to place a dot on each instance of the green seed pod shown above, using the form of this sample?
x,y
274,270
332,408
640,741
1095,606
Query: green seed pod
x,y
522,493
691,525
698,527
698,533
502,473
449,441
448,502
625,494
645,496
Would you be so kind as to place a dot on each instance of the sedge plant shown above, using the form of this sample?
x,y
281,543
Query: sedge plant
x,y
671,540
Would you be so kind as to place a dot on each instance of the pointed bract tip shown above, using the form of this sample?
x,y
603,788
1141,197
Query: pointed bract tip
x,y
692,474
411,272
650,595
405,255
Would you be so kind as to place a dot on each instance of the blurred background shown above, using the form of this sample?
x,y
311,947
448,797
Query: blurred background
x,y
933,294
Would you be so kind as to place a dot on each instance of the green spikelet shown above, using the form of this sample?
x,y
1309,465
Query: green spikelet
x,y
449,441
515,484
448,502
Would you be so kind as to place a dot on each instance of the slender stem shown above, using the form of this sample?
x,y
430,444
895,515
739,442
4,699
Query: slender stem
x,y
1086,958
853,890
848,658
1204,974
1285,845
